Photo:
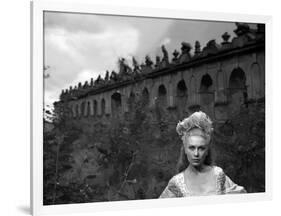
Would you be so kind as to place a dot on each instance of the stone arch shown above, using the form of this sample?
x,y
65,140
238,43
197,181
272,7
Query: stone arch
x,y
102,106
145,96
237,80
206,83
256,78
181,95
116,104
162,96
237,89
95,107
237,67
206,92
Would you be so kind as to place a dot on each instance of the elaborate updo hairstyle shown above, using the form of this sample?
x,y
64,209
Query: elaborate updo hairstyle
x,y
198,120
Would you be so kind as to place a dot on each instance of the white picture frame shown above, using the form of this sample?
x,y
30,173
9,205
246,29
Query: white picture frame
x,y
37,9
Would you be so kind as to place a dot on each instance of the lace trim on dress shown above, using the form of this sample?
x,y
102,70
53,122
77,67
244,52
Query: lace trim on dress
x,y
180,184
177,187
220,180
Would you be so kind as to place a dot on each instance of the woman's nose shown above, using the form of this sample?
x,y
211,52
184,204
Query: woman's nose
x,y
196,152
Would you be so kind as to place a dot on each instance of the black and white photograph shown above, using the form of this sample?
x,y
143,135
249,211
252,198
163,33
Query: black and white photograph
x,y
149,108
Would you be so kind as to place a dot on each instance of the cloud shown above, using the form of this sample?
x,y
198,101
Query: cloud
x,y
77,56
94,50
192,30
73,22
84,76
79,47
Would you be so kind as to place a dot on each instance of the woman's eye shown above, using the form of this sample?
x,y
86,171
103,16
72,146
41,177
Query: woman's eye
x,y
191,147
202,149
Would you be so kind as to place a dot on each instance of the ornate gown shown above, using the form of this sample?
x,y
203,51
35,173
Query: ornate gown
x,y
178,188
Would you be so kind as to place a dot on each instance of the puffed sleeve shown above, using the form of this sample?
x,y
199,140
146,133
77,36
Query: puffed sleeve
x,y
171,190
232,188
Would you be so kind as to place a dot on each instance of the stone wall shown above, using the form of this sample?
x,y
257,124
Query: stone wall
x,y
214,79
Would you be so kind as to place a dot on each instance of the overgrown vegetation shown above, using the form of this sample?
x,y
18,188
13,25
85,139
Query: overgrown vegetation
x,y
92,159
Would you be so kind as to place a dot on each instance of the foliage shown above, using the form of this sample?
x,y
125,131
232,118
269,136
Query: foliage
x,y
240,148
98,159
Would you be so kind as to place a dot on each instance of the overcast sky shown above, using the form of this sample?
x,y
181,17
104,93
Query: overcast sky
x,y
79,47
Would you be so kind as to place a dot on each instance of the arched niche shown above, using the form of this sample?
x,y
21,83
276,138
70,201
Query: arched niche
x,y
162,96
237,90
206,90
181,95
116,104
145,96
206,84
237,79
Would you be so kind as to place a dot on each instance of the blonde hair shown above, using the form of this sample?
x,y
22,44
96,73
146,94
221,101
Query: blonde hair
x,y
197,120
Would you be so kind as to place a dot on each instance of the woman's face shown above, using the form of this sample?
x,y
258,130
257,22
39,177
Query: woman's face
x,y
196,149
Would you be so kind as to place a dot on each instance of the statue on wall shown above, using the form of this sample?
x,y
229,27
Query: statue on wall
x,y
85,84
106,78
211,47
185,52
197,48
124,68
175,58
98,80
242,28
185,47
114,76
148,61
165,54
136,66
157,61
79,85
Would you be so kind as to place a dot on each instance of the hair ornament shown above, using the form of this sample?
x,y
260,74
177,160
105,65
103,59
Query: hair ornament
x,y
196,120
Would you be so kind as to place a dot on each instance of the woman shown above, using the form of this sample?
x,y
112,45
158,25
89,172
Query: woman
x,y
197,176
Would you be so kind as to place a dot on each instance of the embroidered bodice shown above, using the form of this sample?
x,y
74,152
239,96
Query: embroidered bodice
x,y
178,185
